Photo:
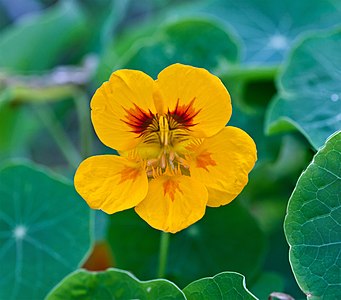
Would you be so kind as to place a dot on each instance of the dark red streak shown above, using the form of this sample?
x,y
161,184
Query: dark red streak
x,y
184,114
138,119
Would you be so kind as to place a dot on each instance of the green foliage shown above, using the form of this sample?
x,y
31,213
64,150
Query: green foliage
x,y
281,63
268,28
44,231
16,129
113,284
24,47
187,41
121,285
309,97
313,224
224,286
204,249
266,284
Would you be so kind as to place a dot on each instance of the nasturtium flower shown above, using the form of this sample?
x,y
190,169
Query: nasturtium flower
x,y
176,155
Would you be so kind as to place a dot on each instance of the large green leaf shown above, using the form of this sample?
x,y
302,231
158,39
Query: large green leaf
x,y
39,42
121,285
313,224
113,284
268,28
44,231
310,93
188,41
227,238
224,286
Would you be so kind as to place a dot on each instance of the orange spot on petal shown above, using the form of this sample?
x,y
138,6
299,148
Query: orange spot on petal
x,y
204,160
170,186
129,173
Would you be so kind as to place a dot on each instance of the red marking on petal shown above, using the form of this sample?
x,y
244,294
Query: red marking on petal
x,y
138,119
184,114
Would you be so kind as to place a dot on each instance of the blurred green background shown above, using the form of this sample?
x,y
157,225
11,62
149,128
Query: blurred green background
x,y
279,60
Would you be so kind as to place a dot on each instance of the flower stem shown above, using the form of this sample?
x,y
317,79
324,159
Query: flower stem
x,y
164,245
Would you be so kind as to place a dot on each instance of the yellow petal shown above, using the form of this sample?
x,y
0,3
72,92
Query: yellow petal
x,y
222,163
173,203
122,107
111,183
195,97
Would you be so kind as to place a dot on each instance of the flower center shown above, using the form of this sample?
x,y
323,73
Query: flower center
x,y
164,138
168,158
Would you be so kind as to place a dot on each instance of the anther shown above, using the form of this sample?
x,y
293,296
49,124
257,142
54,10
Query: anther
x,y
152,162
163,161
183,162
171,156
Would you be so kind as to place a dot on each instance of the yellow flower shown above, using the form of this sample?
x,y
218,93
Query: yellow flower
x,y
176,155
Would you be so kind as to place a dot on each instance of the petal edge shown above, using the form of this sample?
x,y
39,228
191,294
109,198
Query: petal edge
x,y
223,162
111,183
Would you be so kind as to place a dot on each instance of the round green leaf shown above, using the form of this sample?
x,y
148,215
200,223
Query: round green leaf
x,y
113,284
268,28
44,231
224,286
227,238
310,94
313,224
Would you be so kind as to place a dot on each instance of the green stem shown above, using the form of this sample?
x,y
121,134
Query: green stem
x,y
164,245
51,123
250,73
85,133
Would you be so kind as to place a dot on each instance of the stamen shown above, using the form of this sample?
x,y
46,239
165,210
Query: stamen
x,y
152,162
171,156
183,162
167,134
163,161
171,164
